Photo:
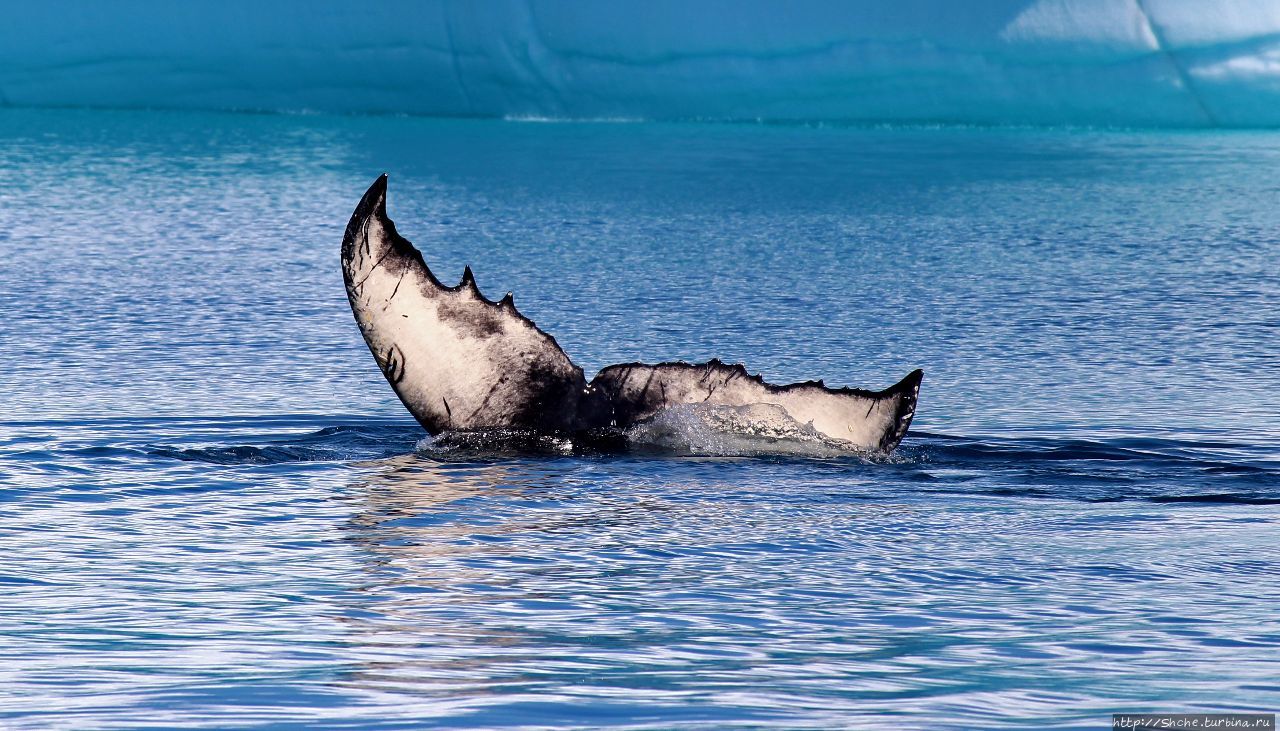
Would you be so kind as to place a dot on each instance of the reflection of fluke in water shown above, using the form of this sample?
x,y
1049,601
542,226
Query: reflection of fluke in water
x,y
459,361
409,506
409,487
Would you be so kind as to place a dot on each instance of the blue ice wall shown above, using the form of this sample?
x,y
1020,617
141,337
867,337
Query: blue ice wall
x,y
1124,62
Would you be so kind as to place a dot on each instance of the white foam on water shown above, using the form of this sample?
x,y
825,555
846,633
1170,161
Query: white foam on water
x,y
731,431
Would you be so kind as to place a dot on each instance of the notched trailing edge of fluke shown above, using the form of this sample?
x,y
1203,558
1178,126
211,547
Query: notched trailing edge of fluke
x,y
373,205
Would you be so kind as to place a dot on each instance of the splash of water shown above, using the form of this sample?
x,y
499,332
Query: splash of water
x,y
733,431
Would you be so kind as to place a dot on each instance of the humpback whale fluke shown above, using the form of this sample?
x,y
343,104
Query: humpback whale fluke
x,y
460,361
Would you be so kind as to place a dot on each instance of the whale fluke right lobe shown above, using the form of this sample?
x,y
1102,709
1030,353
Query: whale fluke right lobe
x,y
874,421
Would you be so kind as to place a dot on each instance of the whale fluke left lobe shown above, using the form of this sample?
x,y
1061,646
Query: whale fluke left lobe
x,y
456,359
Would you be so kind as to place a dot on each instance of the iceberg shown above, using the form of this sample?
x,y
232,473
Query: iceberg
x,y
1169,63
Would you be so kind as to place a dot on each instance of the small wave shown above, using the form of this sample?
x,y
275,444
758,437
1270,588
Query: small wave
x,y
490,443
1226,498
1115,469
245,454
328,444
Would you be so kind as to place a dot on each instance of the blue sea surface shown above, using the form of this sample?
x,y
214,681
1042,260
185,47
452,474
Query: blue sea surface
x,y
214,512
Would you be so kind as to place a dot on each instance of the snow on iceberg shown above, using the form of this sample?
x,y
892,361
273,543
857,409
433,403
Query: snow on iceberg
x,y
1108,62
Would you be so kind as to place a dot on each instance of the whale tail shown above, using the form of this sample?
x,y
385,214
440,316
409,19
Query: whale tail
x,y
460,361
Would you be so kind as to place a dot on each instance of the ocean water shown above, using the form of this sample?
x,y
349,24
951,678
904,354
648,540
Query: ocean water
x,y
215,513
